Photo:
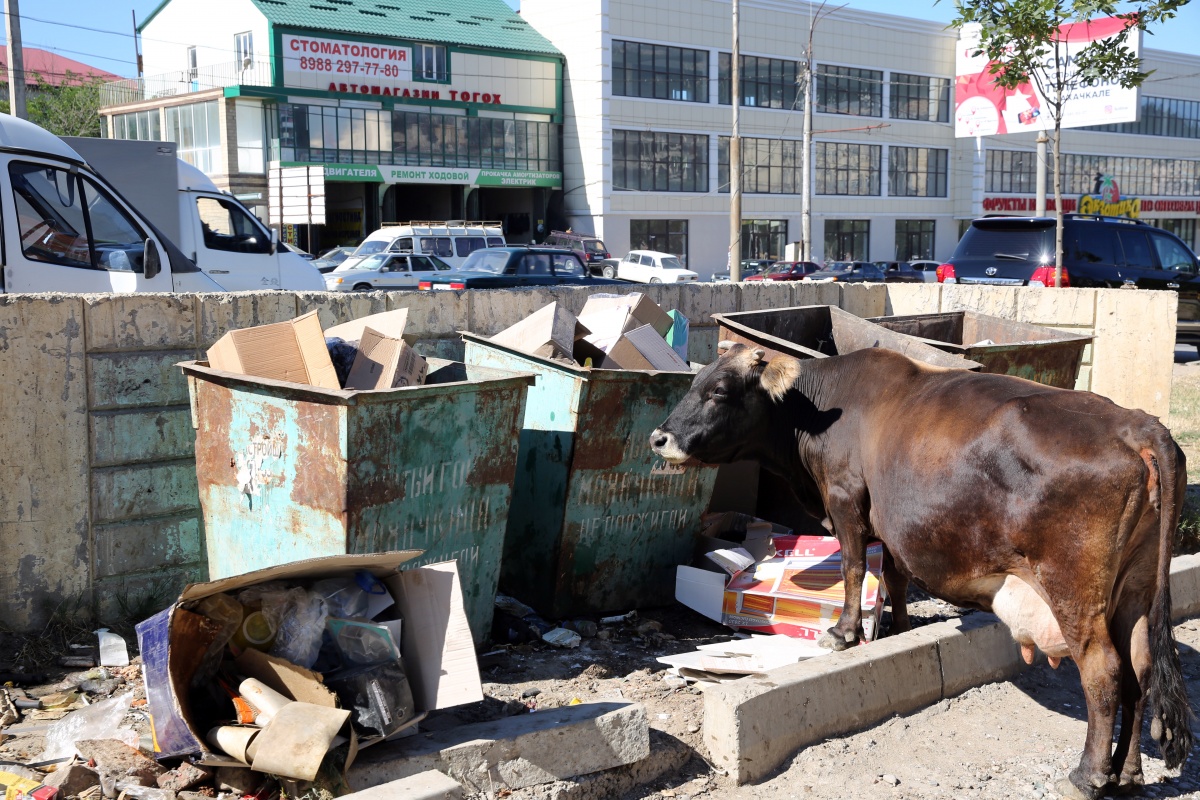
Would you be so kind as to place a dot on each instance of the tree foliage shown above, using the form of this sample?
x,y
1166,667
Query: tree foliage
x,y
69,109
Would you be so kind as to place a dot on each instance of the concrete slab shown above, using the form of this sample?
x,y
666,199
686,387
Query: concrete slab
x,y
431,785
515,752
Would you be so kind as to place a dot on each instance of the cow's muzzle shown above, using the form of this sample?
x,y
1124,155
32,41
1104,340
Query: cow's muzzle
x,y
664,444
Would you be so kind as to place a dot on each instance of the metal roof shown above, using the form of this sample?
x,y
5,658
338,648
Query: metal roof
x,y
475,23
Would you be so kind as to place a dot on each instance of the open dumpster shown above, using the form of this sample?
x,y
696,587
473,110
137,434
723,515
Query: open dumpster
x,y
1002,346
598,522
289,472
823,331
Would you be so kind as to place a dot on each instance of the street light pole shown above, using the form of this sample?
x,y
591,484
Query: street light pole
x,y
16,60
735,159
806,159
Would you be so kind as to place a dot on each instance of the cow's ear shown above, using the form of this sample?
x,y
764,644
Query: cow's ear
x,y
779,376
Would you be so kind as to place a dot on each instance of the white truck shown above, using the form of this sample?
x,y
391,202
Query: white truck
x,y
64,228
213,229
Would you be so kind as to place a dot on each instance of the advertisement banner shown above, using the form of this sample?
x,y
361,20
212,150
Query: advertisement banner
x,y
310,62
983,109
372,173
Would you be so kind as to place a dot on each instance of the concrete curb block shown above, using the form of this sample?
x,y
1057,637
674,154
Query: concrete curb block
x,y
754,725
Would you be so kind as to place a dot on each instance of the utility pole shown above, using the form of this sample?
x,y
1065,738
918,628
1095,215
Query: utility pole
x,y
16,60
806,158
1041,174
137,50
735,158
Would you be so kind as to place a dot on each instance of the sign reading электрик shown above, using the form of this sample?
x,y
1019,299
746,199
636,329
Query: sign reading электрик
x,y
370,173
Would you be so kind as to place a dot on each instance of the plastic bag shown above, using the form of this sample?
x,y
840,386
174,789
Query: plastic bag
x,y
100,720
344,598
301,626
342,354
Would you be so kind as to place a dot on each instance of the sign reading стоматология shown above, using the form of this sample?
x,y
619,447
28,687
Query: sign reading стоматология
x,y
310,62
981,108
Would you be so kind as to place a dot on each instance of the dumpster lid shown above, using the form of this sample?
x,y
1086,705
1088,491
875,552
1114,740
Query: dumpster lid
x,y
378,564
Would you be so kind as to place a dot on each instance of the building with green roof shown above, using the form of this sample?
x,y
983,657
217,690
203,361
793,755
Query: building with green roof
x,y
413,109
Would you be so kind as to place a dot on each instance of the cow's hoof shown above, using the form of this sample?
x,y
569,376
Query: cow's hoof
x,y
1070,791
834,640
1130,784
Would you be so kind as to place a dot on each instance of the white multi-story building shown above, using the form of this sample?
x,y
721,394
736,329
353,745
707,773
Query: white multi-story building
x,y
648,116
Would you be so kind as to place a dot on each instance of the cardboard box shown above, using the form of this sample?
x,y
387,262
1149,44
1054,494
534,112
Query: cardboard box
x,y
643,348
439,655
384,362
797,592
284,351
638,307
389,323
550,332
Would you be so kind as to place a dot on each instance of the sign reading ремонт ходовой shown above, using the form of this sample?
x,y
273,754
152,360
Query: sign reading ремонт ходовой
x,y
461,176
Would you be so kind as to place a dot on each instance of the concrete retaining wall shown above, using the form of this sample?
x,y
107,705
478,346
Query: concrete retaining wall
x,y
98,497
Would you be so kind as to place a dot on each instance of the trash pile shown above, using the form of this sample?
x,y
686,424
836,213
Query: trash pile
x,y
371,352
613,331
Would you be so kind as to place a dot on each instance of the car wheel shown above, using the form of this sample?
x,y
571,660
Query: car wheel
x,y
609,272
655,280
363,287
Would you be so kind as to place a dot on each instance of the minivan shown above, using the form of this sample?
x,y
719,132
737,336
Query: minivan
x,y
451,241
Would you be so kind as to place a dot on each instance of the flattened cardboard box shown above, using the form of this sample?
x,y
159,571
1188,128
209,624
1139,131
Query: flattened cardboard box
x,y
284,351
643,348
641,308
388,323
549,332
438,652
385,362
798,592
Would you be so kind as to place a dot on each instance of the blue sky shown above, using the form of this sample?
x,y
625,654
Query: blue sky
x,y
48,24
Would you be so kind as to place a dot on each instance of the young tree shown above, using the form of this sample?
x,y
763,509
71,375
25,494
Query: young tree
x,y
71,108
1025,43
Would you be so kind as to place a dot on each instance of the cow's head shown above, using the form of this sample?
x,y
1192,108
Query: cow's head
x,y
725,416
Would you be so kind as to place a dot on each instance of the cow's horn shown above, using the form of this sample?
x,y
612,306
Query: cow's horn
x,y
723,346
758,354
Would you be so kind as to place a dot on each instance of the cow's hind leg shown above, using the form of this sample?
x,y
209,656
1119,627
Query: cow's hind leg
x,y
1100,672
1131,631
896,581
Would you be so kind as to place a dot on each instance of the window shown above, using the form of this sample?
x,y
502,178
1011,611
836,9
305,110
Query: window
x,y
1137,249
847,90
766,82
920,98
1161,116
764,238
653,161
914,239
429,62
849,169
68,220
660,72
437,246
230,228
465,245
250,151
663,235
917,172
191,63
1090,244
196,129
1172,255
419,264
143,125
1185,229
1011,171
537,264
769,166
1015,171
846,239
567,265
403,245
243,48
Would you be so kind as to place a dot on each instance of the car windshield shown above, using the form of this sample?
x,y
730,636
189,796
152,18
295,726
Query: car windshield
x,y
366,248
370,262
493,261
671,262
593,246
779,269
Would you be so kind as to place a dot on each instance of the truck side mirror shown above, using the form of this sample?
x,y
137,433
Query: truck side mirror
x,y
151,260
274,240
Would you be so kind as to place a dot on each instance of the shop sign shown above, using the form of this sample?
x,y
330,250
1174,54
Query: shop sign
x,y
1088,204
1106,200
370,173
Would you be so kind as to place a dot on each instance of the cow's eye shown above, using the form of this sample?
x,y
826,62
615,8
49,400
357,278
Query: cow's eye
x,y
719,391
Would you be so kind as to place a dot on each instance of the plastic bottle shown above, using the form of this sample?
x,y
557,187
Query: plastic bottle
x,y
256,631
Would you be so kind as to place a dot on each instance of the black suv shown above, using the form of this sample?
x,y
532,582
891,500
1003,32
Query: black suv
x,y
590,249
1097,252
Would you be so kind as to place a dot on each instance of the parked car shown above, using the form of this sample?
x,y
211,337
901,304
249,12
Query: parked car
x,y
592,249
650,266
291,248
899,272
927,268
862,272
509,267
332,258
383,271
451,241
786,271
1097,251
755,266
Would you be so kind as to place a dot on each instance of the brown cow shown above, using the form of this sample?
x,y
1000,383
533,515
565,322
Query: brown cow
x,y
1054,509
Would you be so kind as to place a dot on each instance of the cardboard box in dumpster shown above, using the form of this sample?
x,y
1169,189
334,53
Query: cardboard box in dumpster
x,y
637,308
388,323
384,362
643,348
284,351
436,645
797,592
549,332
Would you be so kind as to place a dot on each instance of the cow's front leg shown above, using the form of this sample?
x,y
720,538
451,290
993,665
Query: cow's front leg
x,y
850,527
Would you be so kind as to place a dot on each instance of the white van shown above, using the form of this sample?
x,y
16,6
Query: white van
x,y
64,228
451,241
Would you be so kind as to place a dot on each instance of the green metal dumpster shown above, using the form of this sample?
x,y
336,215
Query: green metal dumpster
x,y
1002,346
289,472
598,522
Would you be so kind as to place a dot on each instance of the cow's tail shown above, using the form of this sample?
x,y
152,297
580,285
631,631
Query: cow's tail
x,y
1171,724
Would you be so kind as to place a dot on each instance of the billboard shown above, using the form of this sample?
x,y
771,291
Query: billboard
x,y
983,109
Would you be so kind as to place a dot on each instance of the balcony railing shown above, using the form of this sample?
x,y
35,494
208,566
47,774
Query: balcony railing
x,y
185,81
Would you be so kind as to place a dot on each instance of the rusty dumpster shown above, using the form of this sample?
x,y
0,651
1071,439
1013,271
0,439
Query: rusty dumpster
x,y
289,472
1002,346
598,522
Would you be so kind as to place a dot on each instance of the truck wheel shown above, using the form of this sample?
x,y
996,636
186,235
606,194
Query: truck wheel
x,y
655,280
363,287
609,272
